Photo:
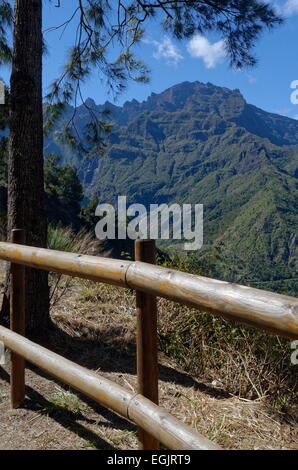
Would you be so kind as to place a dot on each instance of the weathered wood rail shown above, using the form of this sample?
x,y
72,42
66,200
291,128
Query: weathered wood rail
x,y
275,313
260,309
172,433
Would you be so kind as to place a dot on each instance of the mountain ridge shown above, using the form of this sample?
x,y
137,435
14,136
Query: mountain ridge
x,y
199,143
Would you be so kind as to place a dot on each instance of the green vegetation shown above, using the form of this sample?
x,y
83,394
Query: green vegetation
x,y
63,400
65,239
63,193
63,190
198,143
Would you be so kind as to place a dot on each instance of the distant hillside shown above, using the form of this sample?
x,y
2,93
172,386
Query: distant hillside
x,y
198,143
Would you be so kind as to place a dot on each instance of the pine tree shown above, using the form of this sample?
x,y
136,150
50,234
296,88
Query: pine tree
x,y
99,24
26,203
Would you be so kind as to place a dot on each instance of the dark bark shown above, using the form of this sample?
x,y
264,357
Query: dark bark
x,y
26,202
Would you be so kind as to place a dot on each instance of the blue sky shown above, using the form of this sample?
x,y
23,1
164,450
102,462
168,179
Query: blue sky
x,y
268,85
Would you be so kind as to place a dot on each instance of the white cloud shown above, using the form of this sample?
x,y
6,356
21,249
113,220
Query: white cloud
x,y
286,8
166,49
251,79
291,7
211,54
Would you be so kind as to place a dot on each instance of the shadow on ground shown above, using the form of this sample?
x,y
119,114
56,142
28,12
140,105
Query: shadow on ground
x,y
68,419
106,352
110,353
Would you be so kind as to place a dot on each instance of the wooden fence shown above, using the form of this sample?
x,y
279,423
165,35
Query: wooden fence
x,y
260,309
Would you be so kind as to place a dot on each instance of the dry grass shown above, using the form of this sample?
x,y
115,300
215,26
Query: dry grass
x,y
97,313
105,316
65,239
94,325
248,363
56,418
242,361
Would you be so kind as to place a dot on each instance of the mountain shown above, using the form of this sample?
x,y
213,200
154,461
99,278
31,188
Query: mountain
x,y
199,143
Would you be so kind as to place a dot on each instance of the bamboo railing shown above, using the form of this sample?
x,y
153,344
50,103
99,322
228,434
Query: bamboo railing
x,y
263,310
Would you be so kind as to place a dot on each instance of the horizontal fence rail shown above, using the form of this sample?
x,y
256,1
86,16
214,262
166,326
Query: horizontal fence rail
x,y
172,433
259,309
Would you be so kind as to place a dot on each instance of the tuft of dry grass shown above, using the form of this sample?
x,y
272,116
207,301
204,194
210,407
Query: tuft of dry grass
x,y
65,239
242,361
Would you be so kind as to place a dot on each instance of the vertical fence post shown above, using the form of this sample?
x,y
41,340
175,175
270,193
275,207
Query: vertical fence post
x,y
17,323
147,367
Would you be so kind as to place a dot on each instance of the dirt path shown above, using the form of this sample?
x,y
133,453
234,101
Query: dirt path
x,y
96,328
54,417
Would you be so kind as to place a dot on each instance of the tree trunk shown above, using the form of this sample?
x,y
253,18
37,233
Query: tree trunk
x,y
26,202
